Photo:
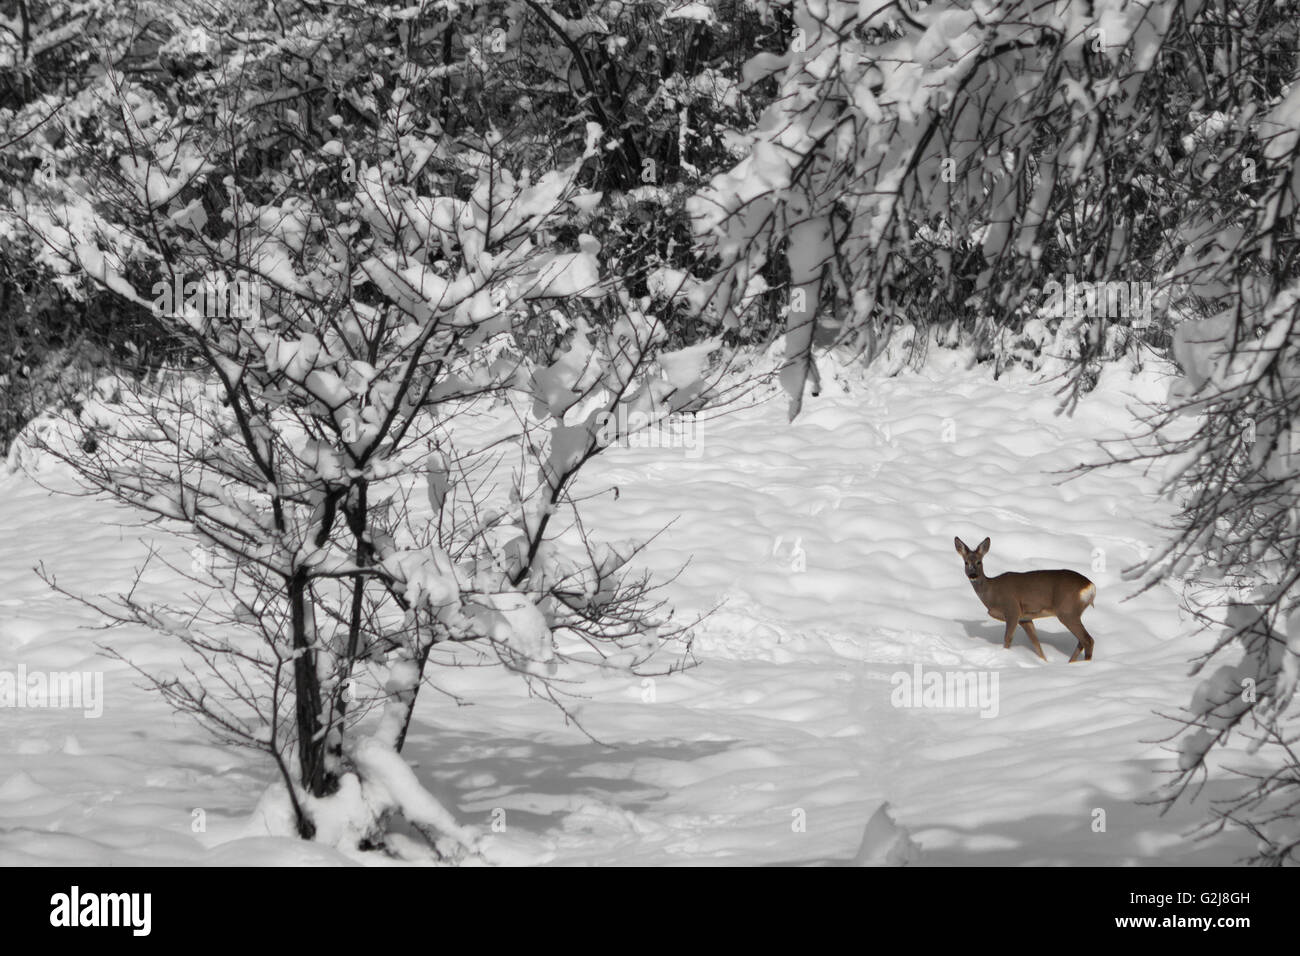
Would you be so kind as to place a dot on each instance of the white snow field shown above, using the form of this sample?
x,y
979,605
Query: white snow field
x,y
828,544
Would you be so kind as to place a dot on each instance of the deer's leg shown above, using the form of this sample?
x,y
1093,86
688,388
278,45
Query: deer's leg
x,y
1028,625
1010,618
1075,624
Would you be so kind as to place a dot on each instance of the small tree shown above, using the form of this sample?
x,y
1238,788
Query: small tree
x,y
351,310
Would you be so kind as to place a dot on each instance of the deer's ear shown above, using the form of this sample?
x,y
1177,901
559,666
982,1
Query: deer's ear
x,y
961,548
983,549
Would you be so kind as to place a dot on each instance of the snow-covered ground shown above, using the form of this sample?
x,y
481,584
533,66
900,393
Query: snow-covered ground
x,y
828,544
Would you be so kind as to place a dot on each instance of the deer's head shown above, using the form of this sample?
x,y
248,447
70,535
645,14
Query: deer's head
x,y
974,559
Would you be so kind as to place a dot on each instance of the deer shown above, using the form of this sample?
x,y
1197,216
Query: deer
x,y
1018,597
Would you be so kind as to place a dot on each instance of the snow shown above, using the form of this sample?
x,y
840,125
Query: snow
x,y
566,274
514,621
884,843
1281,129
152,183
385,768
825,544
701,12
